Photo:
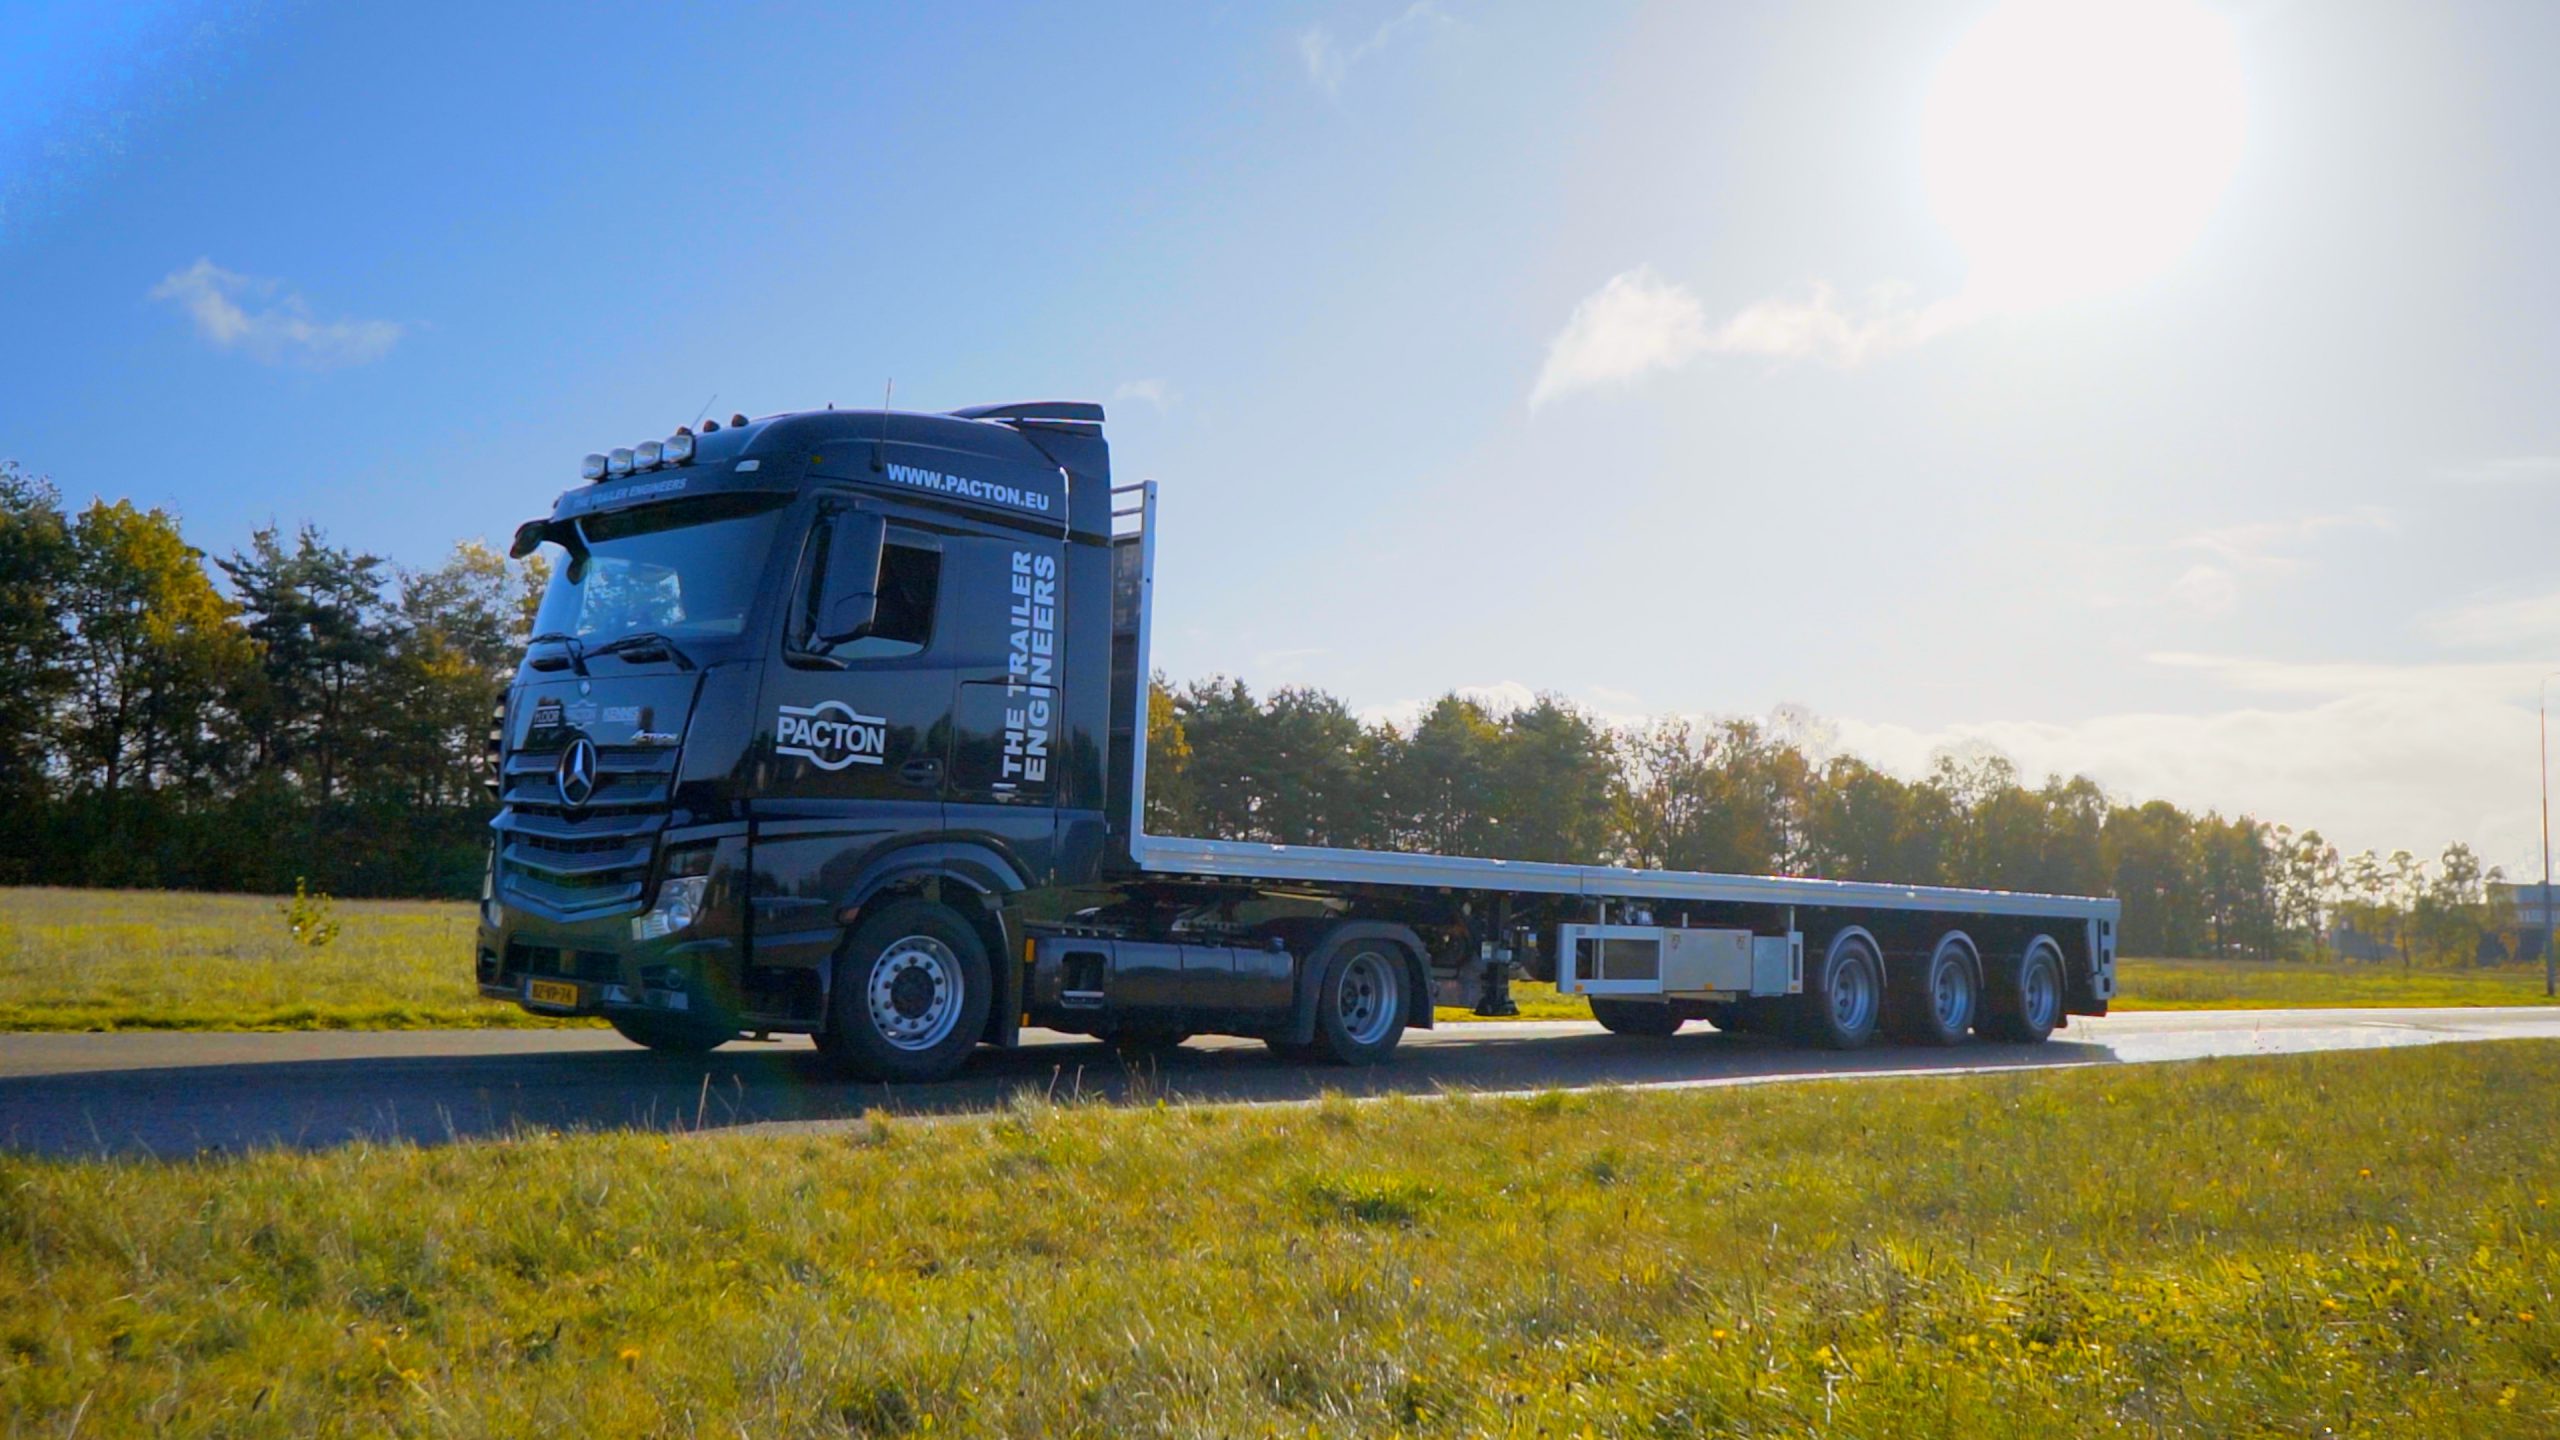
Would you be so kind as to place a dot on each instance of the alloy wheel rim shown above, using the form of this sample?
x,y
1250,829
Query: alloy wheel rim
x,y
1853,995
1366,998
915,992
1952,994
2044,995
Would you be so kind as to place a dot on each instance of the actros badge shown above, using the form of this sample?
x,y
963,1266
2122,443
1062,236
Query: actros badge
x,y
830,735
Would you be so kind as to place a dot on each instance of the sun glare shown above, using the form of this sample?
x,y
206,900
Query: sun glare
x,y
2077,146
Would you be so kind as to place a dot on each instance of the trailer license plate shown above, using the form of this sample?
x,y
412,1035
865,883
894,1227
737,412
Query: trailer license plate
x,y
551,992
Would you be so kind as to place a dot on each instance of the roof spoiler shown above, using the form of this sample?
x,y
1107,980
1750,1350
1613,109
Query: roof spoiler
x,y
1068,413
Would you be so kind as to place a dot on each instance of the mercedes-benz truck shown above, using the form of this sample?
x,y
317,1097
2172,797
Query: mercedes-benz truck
x,y
835,723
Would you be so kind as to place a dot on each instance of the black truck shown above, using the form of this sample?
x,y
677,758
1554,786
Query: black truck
x,y
835,723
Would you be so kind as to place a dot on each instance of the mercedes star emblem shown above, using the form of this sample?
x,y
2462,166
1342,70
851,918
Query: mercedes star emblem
x,y
577,773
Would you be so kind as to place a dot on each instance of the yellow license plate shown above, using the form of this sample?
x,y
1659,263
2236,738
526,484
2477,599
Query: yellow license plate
x,y
551,992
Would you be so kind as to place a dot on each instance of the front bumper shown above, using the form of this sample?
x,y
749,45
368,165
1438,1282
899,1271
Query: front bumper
x,y
594,967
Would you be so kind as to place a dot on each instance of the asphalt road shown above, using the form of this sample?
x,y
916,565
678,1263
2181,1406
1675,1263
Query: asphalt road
x,y
177,1094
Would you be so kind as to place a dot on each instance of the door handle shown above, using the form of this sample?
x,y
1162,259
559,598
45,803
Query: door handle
x,y
920,772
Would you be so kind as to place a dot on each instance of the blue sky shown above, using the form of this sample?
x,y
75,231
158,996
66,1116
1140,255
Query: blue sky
x,y
1638,353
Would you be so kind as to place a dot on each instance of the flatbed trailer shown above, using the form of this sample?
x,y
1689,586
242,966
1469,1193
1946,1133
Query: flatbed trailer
x,y
905,810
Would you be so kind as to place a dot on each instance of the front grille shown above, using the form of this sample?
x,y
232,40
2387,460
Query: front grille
x,y
585,860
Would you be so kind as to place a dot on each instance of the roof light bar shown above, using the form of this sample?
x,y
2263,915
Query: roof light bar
x,y
618,463
677,449
591,468
644,456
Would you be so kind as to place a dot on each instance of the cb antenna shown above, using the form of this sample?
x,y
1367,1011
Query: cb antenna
x,y
705,410
888,388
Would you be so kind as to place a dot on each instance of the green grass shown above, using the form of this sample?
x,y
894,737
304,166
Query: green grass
x,y
2146,984
161,960
2354,1244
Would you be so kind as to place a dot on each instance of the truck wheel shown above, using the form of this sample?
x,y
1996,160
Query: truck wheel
x,y
1360,1004
1840,1006
910,996
1940,1009
2029,1013
674,1034
1635,1017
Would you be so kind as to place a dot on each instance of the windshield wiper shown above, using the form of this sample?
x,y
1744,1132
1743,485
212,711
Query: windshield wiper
x,y
577,650
639,640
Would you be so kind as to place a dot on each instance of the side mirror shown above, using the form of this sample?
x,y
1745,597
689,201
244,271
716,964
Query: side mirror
x,y
849,600
531,535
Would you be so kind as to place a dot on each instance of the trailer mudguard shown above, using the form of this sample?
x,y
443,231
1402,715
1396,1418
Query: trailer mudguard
x,y
1302,1018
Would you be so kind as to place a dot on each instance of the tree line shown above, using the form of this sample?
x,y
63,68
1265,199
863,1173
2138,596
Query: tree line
x,y
297,710
1549,782
293,709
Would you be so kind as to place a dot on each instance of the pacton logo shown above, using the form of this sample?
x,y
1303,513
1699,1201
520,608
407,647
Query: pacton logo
x,y
961,485
830,735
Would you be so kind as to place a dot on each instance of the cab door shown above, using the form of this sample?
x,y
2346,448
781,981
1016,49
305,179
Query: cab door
x,y
1007,769
855,737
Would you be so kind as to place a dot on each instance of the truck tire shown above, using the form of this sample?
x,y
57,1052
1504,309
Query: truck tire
x,y
1943,1000
2027,1011
1360,1004
674,1034
910,995
1844,999
1635,1017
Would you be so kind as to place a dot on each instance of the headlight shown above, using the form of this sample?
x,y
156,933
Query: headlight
x,y
679,905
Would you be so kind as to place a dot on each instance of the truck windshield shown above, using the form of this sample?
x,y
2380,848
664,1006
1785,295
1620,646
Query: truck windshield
x,y
685,569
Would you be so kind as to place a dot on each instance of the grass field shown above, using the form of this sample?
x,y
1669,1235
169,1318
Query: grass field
x,y
157,960
129,960
2352,1244
2238,984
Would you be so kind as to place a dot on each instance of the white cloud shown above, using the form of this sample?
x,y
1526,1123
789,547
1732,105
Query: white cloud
x,y
1152,391
2262,549
2508,469
2343,679
2204,590
2498,624
266,322
2265,546
1640,322
1329,65
1635,323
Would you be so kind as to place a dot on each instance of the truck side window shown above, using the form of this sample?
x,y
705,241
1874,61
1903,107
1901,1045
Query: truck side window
x,y
910,580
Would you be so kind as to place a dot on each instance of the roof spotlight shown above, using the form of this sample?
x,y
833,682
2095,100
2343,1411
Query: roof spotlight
x,y
644,456
618,463
591,468
676,449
